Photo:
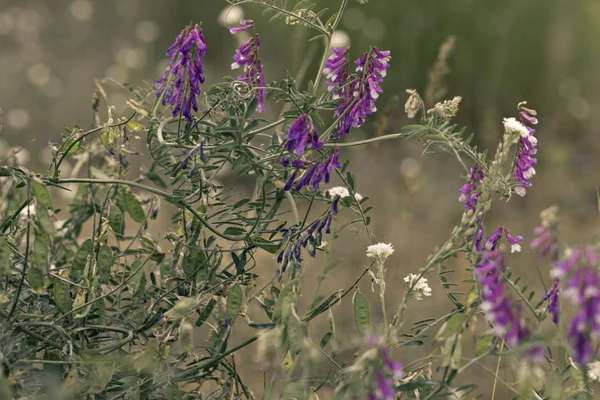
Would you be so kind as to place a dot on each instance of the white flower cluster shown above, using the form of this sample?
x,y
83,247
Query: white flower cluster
x,y
380,251
512,126
448,108
342,192
421,288
594,371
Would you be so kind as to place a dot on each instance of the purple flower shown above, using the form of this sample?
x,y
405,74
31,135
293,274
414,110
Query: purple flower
x,y
492,241
470,191
546,240
199,149
246,24
180,83
247,56
385,389
301,134
359,91
336,71
583,291
525,162
497,305
319,171
294,241
553,296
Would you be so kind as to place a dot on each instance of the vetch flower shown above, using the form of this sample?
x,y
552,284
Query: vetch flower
x,y
494,240
245,25
386,373
360,91
420,287
546,239
336,72
319,172
180,83
497,305
525,162
380,251
583,289
553,295
246,56
301,134
294,241
470,193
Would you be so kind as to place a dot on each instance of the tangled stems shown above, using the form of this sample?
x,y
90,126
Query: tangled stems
x,y
167,196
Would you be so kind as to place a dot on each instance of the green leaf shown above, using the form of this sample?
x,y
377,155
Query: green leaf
x,y
206,312
80,259
40,257
4,257
133,206
41,194
137,278
326,338
453,325
35,277
135,127
105,262
42,217
101,377
61,295
287,291
483,344
265,244
115,219
362,313
234,301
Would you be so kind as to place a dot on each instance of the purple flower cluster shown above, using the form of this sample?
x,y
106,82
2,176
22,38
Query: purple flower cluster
x,y
247,56
547,241
314,173
494,240
391,370
197,150
583,289
525,163
301,134
359,91
470,193
336,71
497,305
180,83
293,242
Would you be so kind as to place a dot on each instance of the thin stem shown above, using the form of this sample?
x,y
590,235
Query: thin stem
x,y
25,259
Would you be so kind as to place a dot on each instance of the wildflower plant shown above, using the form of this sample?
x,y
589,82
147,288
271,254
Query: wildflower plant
x,y
105,305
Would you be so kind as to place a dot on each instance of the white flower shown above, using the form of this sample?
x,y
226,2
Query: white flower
x,y
513,126
339,39
420,288
448,108
594,371
342,192
380,251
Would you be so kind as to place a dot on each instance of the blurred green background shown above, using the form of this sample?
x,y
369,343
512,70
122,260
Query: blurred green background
x,y
542,51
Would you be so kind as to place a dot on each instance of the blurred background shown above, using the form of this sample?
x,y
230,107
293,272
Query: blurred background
x,y
497,54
